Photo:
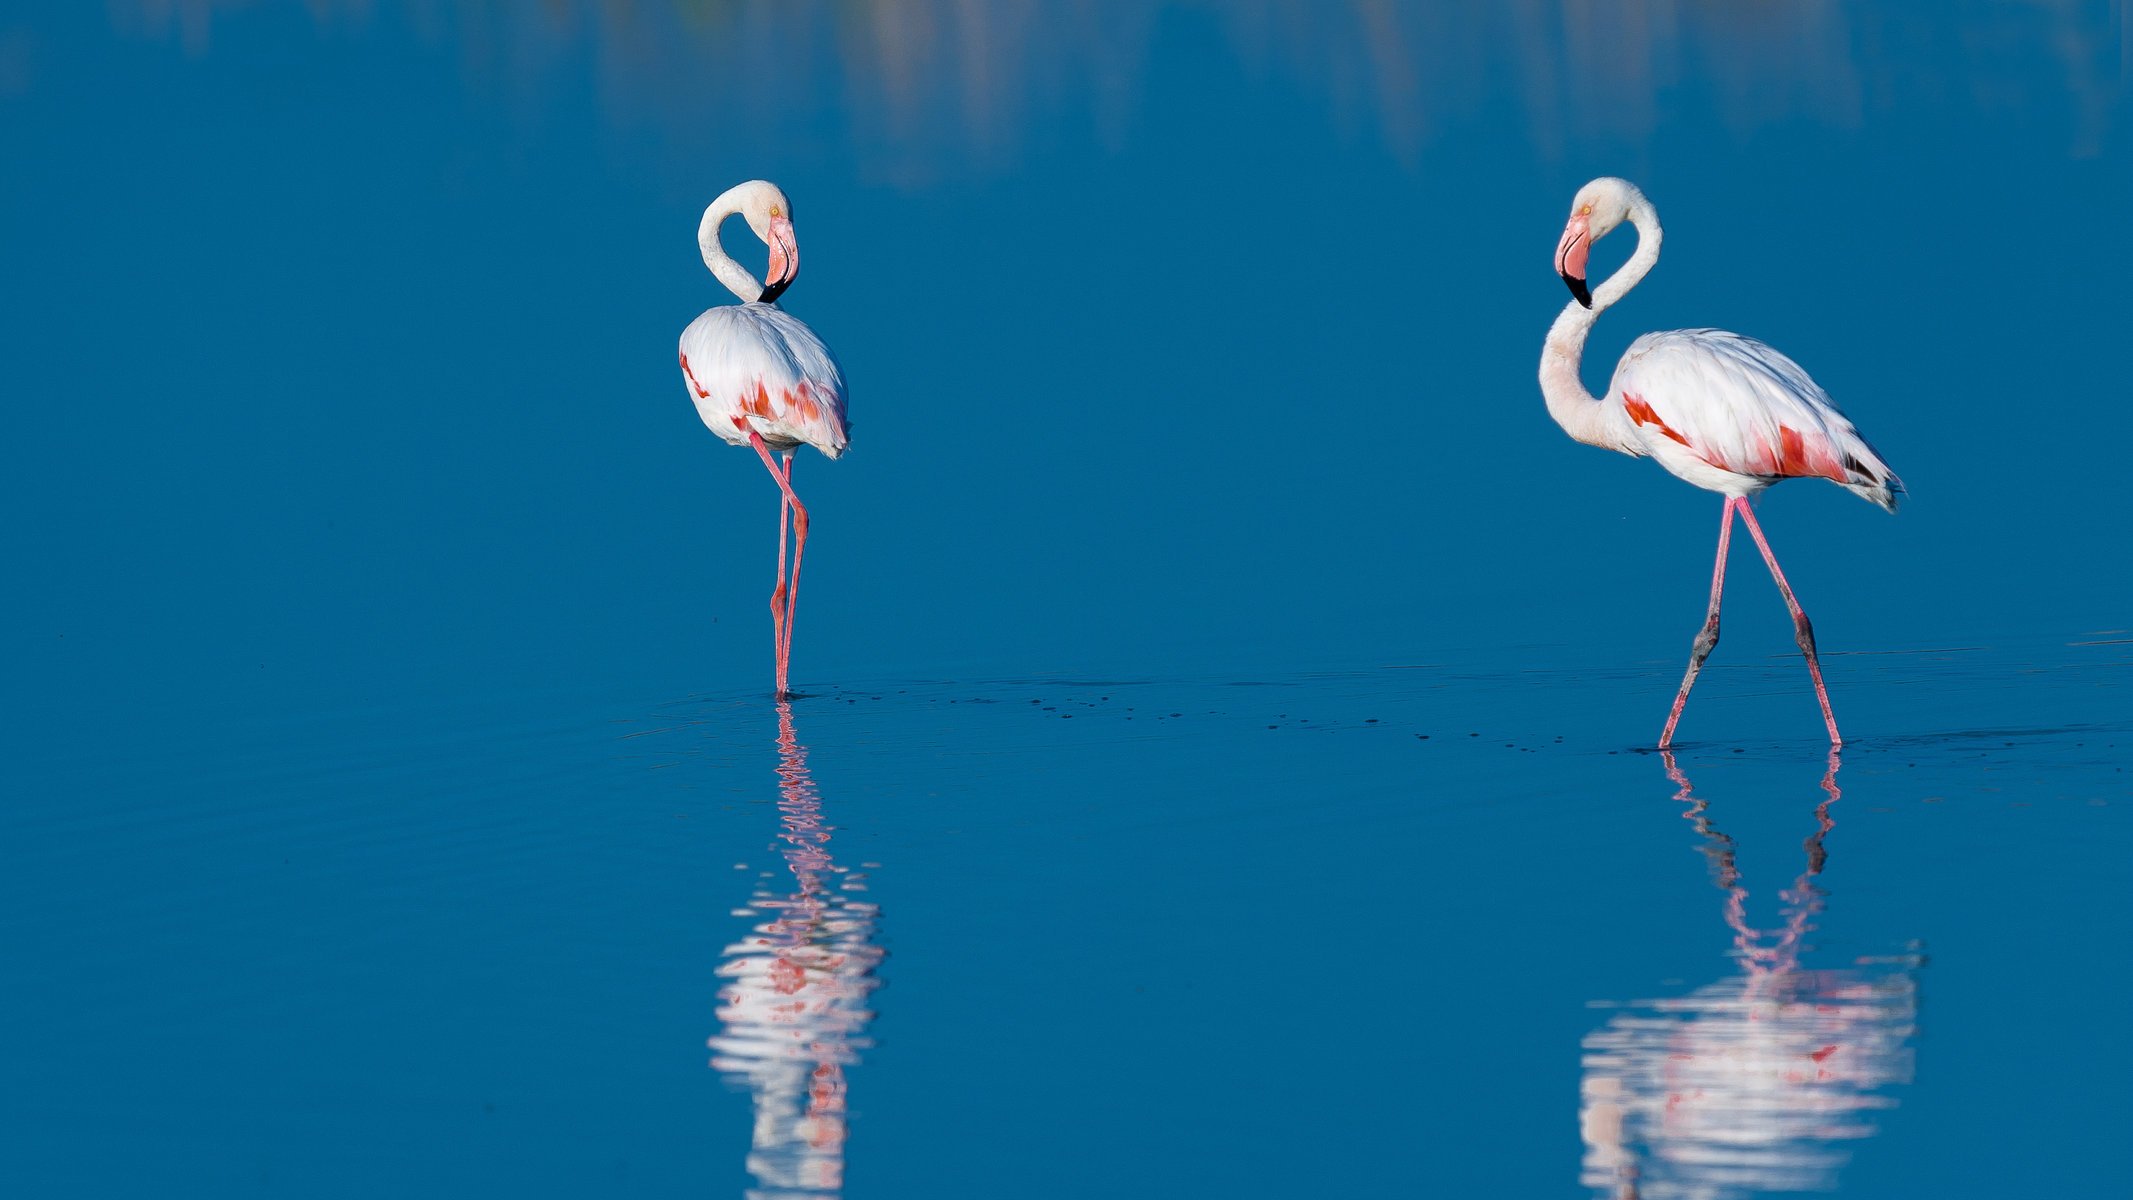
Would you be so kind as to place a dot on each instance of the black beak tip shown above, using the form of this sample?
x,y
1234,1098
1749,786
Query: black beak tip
x,y
1577,289
770,294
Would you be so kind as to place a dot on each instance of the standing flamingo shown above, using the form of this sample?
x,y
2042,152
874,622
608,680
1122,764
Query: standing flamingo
x,y
1722,411
761,378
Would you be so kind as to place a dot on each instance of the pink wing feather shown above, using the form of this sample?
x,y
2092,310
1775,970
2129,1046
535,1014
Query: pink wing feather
x,y
1740,406
756,368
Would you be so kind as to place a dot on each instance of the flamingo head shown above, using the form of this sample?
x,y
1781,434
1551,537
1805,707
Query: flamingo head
x,y
769,214
1599,208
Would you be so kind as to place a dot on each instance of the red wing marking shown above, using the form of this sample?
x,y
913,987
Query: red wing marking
x,y
1801,458
701,394
1642,414
1823,1053
790,405
1794,455
1792,452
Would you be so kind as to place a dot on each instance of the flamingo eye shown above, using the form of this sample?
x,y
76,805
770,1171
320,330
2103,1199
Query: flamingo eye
x,y
1583,211
775,212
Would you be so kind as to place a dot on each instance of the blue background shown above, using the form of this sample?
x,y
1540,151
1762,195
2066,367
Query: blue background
x,y
358,513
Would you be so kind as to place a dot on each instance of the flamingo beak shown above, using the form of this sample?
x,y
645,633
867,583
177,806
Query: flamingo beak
x,y
784,259
1570,256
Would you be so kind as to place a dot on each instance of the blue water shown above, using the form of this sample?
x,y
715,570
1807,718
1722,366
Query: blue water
x,y
1224,752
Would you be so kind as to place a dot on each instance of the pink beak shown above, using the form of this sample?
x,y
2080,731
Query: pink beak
x,y
1570,256
784,259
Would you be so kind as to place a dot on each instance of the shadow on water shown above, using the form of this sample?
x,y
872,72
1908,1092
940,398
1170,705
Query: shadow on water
x,y
1755,1081
794,1009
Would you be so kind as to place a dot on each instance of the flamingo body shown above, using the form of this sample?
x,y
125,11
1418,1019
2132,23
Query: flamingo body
x,y
755,367
1716,409
1731,415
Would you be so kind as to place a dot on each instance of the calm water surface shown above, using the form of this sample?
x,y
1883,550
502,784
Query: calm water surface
x,y
1225,764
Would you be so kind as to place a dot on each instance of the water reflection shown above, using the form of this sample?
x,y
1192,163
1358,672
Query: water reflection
x,y
1754,1082
794,1008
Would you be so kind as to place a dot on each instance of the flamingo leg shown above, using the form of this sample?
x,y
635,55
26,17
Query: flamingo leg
x,y
1803,632
1707,637
799,524
792,587
777,593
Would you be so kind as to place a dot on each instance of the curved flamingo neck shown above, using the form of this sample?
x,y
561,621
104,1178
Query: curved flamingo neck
x,y
1582,415
735,276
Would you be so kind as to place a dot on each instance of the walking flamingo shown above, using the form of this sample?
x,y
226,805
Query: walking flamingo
x,y
1719,410
761,378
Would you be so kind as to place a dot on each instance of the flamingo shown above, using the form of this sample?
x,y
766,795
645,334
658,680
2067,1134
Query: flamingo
x,y
1724,412
761,378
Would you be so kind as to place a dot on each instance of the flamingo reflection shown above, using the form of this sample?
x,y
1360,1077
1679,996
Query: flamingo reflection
x,y
794,1008
1755,1082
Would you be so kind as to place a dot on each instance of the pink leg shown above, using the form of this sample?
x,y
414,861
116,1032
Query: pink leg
x,y
1803,632
792,587
1707,637
799,524
777,593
